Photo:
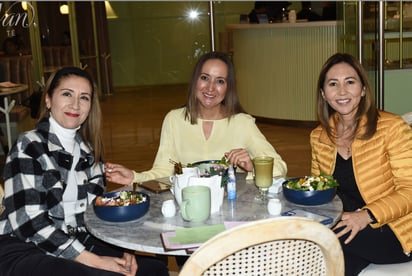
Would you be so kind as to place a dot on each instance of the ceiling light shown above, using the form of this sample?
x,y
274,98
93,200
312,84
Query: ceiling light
x,y
64,9
193,14
110,14
24,5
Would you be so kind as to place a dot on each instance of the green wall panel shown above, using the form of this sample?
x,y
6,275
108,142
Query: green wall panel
x,y
155,43
398,91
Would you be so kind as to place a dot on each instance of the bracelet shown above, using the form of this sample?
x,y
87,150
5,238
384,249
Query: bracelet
x,y
371,216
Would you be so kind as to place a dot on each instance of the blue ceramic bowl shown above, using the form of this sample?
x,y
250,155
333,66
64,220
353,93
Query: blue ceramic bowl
x,y
122,213
308,197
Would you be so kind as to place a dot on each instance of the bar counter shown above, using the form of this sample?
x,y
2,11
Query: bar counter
x,y
277,66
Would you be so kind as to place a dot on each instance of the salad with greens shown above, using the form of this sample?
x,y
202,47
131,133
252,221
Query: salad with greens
x,y
312,183
124,198
215,167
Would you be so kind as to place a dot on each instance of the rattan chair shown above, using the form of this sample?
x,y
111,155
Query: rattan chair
x,y
402,269
276,246
407,117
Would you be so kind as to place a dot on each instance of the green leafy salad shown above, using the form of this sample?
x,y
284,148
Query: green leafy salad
x,y
312,183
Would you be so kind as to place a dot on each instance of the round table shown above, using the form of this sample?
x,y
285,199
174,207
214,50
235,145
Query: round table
x,y
144,234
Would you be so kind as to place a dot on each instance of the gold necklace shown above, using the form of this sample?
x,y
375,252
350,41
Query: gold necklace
x,y
348,146
349,150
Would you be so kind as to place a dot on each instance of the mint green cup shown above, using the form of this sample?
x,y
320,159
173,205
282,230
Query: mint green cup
x,y
195,203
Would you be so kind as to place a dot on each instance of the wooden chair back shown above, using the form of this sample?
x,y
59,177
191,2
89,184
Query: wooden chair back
x,y
277,246
57,56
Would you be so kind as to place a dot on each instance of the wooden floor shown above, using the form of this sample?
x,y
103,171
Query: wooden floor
x,y
132,122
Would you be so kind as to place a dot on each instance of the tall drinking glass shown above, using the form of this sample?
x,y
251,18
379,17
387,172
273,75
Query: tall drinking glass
x,y
263,168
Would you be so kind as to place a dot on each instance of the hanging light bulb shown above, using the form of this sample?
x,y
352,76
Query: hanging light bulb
x,y
64,9
24,5
110,14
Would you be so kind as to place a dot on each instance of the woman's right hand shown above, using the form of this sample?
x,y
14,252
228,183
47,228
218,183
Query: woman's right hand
x,y
118,174
126,265
241,158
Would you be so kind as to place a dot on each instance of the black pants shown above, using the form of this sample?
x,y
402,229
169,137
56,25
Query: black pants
x,y
18,258
377,246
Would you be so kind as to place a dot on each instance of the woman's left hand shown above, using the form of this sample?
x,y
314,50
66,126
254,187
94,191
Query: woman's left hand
x,y
240,158
352,222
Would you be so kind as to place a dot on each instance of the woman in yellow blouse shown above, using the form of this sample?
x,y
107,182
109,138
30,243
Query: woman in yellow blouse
x,y
211,124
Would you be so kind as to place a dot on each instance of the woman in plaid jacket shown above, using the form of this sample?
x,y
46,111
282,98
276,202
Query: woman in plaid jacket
x,y
51,174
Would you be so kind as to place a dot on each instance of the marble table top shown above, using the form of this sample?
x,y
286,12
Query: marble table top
x,y
144,234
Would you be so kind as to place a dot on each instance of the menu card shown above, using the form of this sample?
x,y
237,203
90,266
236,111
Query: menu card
x,y
307,214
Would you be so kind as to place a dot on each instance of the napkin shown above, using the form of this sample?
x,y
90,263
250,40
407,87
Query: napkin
x,y
197,234
276,185
181,181
216,190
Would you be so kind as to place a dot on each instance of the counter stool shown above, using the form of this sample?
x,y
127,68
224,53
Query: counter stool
x,y
403,269
407,117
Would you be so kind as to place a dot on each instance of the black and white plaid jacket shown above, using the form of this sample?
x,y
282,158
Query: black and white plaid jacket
x,y
35,177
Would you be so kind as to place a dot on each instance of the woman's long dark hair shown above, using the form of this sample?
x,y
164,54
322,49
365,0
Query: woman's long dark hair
x,y
90,130
231,103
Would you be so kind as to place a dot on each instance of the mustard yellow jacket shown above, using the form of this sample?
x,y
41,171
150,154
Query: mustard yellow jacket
x,y
383,171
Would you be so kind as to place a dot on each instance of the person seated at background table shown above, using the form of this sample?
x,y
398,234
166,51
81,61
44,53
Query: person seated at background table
x,y
369,152
329,10
212,124
259,8
13,46
51,175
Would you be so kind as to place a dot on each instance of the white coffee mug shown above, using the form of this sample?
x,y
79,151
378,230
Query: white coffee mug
x,y
181,181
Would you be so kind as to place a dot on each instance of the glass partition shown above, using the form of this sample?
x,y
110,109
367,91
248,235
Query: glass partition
x,y
380,32
158,42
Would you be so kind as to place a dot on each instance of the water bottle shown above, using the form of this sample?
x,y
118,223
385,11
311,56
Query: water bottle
x,y
231,184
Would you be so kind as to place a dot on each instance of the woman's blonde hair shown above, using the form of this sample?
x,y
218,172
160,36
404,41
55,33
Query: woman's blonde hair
x,y
90,130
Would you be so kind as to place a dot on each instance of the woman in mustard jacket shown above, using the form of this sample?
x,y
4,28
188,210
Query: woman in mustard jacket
x,y
369,152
